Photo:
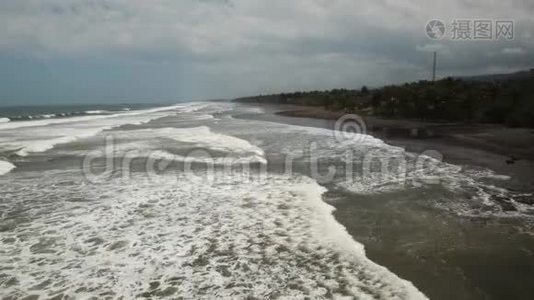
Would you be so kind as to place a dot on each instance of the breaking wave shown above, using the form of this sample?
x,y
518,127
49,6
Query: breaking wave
x,y
5,167
184,237
25,137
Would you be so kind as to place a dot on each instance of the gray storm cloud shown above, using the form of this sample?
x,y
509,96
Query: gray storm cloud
x,y
226,48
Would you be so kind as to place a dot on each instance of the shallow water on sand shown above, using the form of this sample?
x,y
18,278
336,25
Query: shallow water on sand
x,y
200,225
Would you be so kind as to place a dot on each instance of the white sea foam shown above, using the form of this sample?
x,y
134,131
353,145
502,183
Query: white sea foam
x,y
42,138
96,112
23,138
187,236
4,120
5,167
222,161
204,137
184,237
348,139
466,191
151,142
42,145
473,196
37,123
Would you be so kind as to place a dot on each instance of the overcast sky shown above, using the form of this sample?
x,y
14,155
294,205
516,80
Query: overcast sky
x,y
100,51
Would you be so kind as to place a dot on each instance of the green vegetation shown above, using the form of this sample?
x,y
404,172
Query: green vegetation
x,y
503,101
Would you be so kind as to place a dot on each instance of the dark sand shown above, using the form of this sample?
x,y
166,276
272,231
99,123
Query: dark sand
x,y
444,255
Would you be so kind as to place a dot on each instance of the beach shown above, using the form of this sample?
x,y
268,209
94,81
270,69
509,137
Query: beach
x,y
181,201
228,200
460,253
484,145
266,149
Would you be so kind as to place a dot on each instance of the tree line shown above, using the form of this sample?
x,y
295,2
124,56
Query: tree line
x,y
505,101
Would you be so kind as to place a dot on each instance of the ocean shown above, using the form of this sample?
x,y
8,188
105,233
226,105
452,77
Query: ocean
x,y
211,200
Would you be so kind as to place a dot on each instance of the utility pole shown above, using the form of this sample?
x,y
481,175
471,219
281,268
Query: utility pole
x,y
434,66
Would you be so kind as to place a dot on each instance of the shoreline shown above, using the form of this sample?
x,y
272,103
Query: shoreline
x,y
433,249
506,151
517,142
